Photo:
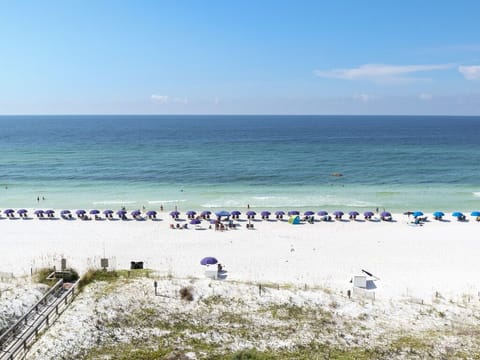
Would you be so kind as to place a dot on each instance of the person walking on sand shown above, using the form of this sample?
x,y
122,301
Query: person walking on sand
x,y
248,206
161,208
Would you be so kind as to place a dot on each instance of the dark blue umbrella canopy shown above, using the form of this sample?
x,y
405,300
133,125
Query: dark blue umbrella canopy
x,y
293,212
251,213
191,213
309,213
265,213
208,261
108,212
457,214
121,212
65,212
222,213
438,214
174,213
80,212
22,211
135,212
280,212
94,212
322,213
475,213
151,213
195,222
338,213
38,212
236,213
368,213
385,214
417,213
9,211
353,213
49,212
205,213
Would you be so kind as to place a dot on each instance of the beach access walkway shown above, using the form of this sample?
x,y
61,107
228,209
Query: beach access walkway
x,y
16,341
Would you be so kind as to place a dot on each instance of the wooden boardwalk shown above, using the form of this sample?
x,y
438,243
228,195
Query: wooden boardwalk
x,y
16,341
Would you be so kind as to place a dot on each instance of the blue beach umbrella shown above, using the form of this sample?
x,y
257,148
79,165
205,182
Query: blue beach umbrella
x,y
280,213
475,213
195,222
38,212
265,213
457,214
417,213
309,213
135,213
151,213
174,214
222,213
208,261
205,213
368,214
22,211
49,212
322,213
338,213
108,212
353,213
386,214
438,214
65,212
80,212
191,213
251,213
121,212
293,212
9,211
94,212
236,213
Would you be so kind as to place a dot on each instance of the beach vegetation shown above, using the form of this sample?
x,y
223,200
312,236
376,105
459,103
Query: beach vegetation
x,y
214,300
411,344
288,312
128,352
186,293
93,275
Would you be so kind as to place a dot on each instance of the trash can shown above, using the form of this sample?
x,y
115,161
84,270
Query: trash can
x,y
136,265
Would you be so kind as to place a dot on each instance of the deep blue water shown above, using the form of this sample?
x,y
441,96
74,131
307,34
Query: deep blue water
x,y
229,161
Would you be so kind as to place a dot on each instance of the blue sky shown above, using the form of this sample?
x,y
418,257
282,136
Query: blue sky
x,y
239,57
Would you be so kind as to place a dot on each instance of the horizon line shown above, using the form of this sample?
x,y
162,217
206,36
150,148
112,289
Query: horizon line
x,y
230,114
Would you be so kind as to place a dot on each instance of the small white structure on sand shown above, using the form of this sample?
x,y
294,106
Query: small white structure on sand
x,y
360,281
363,286
211,272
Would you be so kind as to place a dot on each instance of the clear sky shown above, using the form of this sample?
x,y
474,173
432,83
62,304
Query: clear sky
x,y
240,57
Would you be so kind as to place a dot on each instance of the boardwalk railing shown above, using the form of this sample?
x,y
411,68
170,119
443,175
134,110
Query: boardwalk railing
x,y
15,342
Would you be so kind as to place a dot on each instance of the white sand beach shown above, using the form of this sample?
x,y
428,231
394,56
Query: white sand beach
x,y
409,260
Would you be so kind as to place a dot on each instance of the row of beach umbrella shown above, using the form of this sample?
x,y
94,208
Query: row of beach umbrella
x,y
265,214
80,213
192,215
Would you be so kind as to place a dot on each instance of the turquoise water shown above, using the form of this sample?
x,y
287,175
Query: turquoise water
x,y
213,162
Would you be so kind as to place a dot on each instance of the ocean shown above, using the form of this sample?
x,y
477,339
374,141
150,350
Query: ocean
x,y
398,163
